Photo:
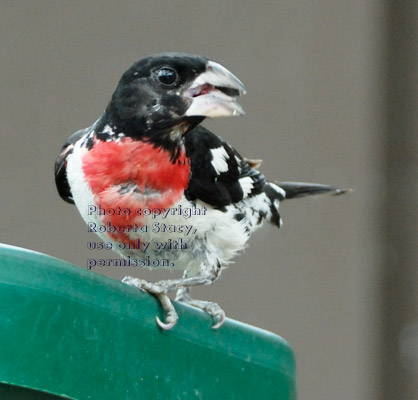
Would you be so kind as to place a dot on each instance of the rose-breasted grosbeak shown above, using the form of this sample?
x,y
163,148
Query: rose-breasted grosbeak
x,y
148,154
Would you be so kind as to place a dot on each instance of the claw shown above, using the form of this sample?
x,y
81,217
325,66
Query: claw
x,y
212,309
167,306
217,313
221,316
160,292
165,326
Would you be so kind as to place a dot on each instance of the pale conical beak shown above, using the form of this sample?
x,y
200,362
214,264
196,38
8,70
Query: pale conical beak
x,y
213,93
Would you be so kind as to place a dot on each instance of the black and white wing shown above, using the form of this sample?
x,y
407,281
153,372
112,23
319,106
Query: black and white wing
x,y
220,177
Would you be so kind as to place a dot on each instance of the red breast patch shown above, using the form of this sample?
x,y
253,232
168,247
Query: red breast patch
x,y
135,175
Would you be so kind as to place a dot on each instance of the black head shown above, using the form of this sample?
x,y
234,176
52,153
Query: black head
x,y
168,90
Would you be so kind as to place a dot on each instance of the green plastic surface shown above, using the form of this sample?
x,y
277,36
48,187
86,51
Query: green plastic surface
x,y
80,335
9,392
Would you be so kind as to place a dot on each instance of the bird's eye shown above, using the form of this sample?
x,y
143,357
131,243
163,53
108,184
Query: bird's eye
x,y
167,76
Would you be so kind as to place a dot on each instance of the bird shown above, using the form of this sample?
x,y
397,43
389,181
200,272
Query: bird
x,y
166,192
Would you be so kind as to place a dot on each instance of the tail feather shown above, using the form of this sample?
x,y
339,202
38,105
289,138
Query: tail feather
x,y
280,191
301,189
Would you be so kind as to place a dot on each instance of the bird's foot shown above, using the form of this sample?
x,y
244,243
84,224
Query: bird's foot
x,y
159,291
211,308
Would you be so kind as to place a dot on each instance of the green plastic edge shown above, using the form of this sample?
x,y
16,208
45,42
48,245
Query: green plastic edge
x,y
51,295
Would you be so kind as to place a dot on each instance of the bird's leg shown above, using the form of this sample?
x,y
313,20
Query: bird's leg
x,y
162,288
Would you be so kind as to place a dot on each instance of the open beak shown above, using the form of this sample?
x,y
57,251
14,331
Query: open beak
x,y
213,93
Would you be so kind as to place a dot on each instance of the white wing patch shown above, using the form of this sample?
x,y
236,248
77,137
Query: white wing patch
x,y
219,160
246,185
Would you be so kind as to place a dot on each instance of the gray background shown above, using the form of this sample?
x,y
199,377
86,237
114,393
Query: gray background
x,y
332,91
